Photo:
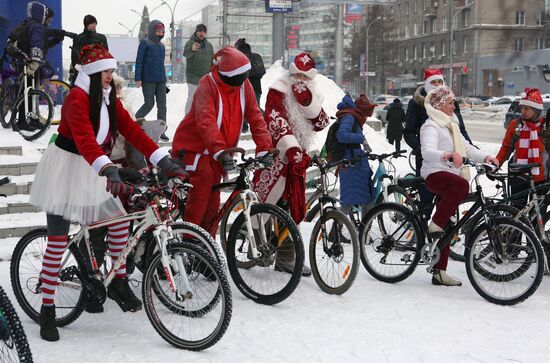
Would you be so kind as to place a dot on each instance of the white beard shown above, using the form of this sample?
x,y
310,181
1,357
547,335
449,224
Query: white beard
x,y
302,128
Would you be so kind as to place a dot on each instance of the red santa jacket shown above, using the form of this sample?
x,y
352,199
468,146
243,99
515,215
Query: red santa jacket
x,y
212,125
77,127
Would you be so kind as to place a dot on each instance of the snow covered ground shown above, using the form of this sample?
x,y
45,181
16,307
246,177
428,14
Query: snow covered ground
x,y
412,321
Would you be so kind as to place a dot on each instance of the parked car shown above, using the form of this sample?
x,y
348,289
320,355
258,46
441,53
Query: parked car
x,y
503,101
514,112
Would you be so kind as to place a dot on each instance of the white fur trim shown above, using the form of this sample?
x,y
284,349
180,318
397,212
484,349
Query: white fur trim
x,y
83,82
158,154
220,103
280,85
433,78
100,162
538,106
276,191
100,65
314,108
286,142
294,70
103,124
237,71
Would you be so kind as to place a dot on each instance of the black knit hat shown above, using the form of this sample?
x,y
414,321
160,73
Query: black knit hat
x,y
201,27
89,19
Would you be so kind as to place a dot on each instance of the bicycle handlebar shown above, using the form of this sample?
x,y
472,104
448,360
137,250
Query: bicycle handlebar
x,y
380,157
481,168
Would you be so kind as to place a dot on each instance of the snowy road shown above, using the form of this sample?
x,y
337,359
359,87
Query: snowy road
x,y
485,131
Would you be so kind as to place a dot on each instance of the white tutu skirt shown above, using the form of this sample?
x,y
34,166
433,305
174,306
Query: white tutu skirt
x,y
66,185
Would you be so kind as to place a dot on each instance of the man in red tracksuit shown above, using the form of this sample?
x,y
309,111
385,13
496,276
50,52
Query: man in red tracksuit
x,y
224,97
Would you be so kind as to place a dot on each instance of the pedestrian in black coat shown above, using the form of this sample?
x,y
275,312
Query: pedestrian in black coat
x,y
395,118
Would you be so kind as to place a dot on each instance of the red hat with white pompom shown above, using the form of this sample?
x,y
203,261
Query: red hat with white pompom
x,y
231,62
303,64
94,58
531,97
432,75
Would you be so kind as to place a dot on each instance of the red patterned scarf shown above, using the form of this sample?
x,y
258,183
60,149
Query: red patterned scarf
x,y
530,146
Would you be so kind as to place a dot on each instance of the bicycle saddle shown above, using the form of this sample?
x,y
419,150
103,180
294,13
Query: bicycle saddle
x,y
521,168
413,182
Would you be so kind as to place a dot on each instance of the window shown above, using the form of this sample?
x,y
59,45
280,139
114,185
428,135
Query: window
x,y
454,46
443,45
407,31
444,24
540,43
415,52
540,18
407,8
520,17
407,54
416,6
423,50
425,27
519,44
432,50
415,29
425,4
466,18
432,25
465,45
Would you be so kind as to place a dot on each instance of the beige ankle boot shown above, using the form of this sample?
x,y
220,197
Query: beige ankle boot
x,y
440,277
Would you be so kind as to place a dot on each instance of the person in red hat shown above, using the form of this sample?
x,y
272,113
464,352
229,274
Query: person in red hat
x,y
293,113
224,97
76,181
523,142
415,117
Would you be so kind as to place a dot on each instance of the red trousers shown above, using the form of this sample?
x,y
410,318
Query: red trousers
x,y
202,202
451,189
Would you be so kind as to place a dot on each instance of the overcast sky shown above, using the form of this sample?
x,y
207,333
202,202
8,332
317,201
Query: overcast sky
x,y
110,13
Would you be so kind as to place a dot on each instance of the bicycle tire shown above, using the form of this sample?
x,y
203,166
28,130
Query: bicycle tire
x,y
349,272
154,315
58,91
411,231
223,223
412,163
45,122
22,287
16,337
7,99
313,213
458,240
277,239
534,279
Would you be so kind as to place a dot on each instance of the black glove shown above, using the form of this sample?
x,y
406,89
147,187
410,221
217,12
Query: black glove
x,y
170,168
268,160
228,163
114,183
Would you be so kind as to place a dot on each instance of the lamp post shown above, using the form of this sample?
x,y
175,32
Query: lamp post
x,y
451,36
367,55
130,31
172,39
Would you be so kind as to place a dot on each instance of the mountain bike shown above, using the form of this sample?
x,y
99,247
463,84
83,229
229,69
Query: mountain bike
x,y
186,294
504,257
334,245
14,346
58,91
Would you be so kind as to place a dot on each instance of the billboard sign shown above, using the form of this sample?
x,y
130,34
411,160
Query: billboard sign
x,y
353,12
292,37
278,6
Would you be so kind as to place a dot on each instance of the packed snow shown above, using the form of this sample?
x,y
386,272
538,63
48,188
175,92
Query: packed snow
x,y
411,321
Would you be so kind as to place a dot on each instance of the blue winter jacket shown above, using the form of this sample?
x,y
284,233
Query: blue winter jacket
x,y
150,58
34,44
355,181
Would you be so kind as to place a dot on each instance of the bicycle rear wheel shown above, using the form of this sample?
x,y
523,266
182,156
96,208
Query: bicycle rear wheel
x,y
7,99
39,118
185,324
57,90
390,242
509,277
25,268
14,346
275,274
334,267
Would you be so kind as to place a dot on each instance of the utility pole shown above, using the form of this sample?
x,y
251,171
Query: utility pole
x,y
451,35
278,36
225,10
367,55
339,54
172,39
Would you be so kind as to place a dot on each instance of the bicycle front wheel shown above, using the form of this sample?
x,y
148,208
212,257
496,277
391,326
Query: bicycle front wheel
x,y
186,323
390,242
38,118
273,275
25,268
14,346
334,264
510,273
57,90
7,99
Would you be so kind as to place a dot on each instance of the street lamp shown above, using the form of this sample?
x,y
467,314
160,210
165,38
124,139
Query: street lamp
x,y
367,55
130,31
173,38
451,45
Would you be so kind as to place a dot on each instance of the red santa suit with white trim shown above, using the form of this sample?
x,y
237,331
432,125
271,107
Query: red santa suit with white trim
x,y
214,124
293,113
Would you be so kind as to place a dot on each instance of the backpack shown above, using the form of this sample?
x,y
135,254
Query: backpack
x,y
17,38
335,149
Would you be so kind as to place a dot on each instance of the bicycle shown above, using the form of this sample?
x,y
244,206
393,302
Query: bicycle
x,y
412,161
186,294
58,91
394,241
28,110
264,251
334,245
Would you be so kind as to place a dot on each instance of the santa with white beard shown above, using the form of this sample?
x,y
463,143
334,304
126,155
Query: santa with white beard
x,y
293,113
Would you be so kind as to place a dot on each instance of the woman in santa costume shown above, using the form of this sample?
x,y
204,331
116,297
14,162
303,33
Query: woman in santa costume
x,y
76,181
224,97
293,113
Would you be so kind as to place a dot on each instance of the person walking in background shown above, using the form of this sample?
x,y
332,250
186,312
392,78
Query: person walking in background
x,y
150,74
395,118
256,72
87,37
199,53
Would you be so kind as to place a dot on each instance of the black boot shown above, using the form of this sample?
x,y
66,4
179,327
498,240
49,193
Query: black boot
x,y
48,327
119,290
92,306
163,137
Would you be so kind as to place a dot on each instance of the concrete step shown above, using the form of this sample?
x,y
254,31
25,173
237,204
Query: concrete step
x,y
13,188
11,150
17,231
25,168
15,208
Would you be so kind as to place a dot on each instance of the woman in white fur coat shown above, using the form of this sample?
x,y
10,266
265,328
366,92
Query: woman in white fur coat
x,y
441,141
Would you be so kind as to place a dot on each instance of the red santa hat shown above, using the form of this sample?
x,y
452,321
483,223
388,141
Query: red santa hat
x,y
303,64
231,62
432,75
93,58
531,97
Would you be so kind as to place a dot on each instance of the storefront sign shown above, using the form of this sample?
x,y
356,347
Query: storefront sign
x,y
278,6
